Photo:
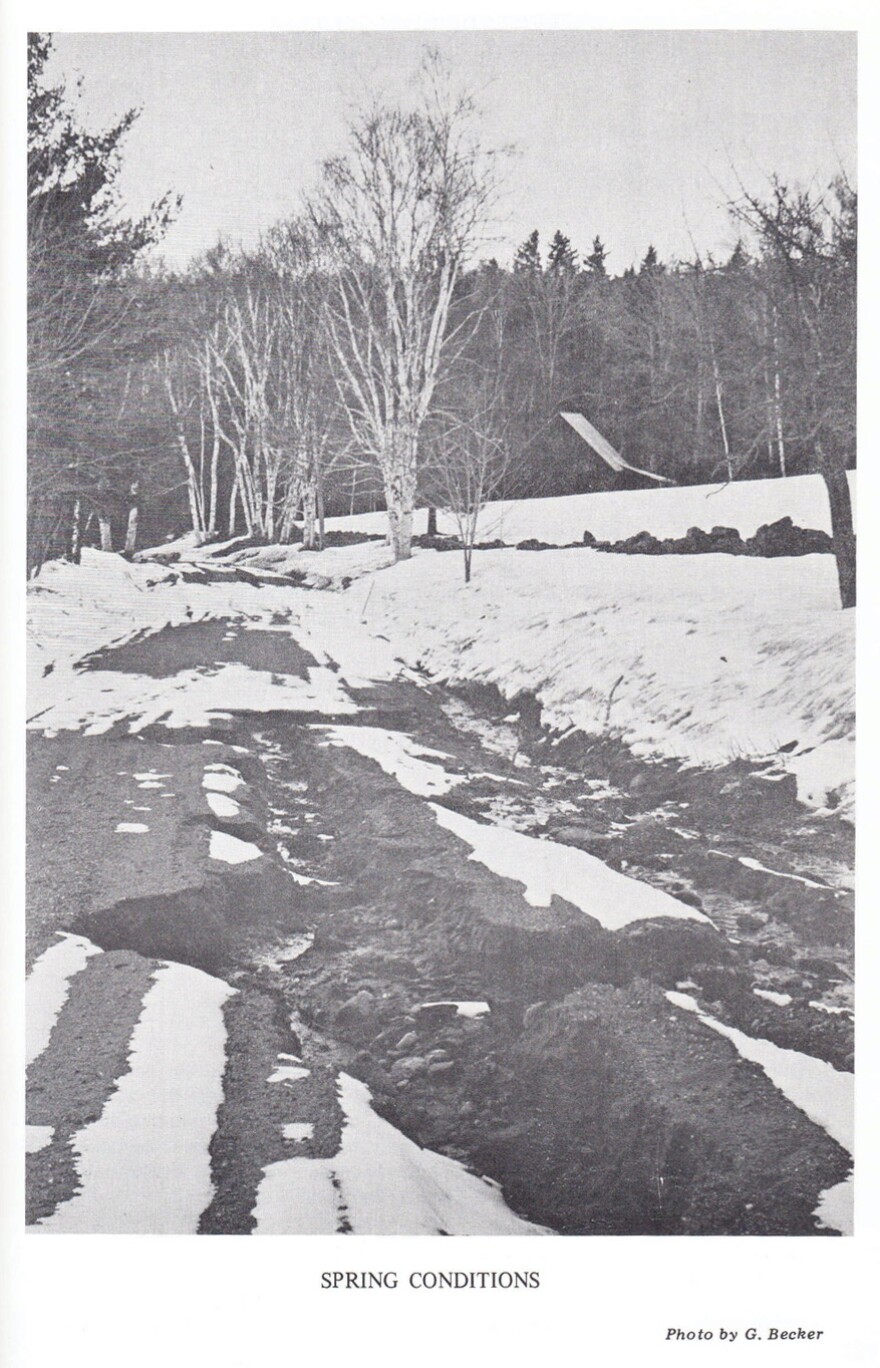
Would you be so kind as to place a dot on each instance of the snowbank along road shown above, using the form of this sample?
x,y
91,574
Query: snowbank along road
x,y
319,944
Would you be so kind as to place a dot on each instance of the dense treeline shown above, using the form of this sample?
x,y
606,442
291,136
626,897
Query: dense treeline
x,y
357,358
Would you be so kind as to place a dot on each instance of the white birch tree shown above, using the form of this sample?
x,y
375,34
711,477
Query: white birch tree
x,y
400,213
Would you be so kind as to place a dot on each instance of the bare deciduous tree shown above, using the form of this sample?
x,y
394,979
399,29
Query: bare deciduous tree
x,y
471,442
401,212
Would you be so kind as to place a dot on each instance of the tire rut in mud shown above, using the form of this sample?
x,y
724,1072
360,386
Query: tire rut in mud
x,y
586,1142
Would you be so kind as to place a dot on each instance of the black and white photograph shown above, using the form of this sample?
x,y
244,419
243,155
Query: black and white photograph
x,y
440,634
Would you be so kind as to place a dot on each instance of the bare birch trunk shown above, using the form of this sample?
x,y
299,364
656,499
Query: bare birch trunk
x,y
780,440
106,532
319,499
271,492
722,421
212,497
310,509
193,491
76,532
398,460
132,527
233,502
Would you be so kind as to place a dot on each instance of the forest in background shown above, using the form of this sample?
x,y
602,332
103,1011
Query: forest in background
x,y
363,354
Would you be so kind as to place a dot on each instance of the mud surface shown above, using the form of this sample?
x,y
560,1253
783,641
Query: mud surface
x,y
360,924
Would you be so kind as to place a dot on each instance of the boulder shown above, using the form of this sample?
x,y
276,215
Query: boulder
x,y
783,538
355,1020
407,1068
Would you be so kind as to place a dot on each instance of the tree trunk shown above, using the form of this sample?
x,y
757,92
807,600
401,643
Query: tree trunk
x,y
106,532
777,397
309,507
233,500
843,533
400,520
212,503
268,520
780,437
399,477
132,528
432,522
701,441
722,421
76,532
319,497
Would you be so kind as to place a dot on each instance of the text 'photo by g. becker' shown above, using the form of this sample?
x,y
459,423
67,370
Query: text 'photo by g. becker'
x,y
441,579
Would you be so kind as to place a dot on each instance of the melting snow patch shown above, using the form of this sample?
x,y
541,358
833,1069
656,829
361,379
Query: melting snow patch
x,y
463,1009
762,869
398,754
47,987
221,806
298,1130
288,1073
144,1165
824,1093
231,850
286,954
190,698
829,1007
132,828
388,1185
221,779
835,1209
781,999
825,773
296,1197
550,869
820,1091
37,1138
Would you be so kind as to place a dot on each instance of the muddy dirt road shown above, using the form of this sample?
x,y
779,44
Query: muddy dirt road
x,y
393,960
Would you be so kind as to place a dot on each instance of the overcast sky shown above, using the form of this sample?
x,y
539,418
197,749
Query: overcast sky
x,y
636,136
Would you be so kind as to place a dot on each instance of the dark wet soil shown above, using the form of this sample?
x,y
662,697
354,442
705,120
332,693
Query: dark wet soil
x,y
70,1083
597,1105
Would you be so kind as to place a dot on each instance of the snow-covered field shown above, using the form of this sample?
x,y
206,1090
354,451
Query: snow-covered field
x,y
700,658
703,658
745,505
